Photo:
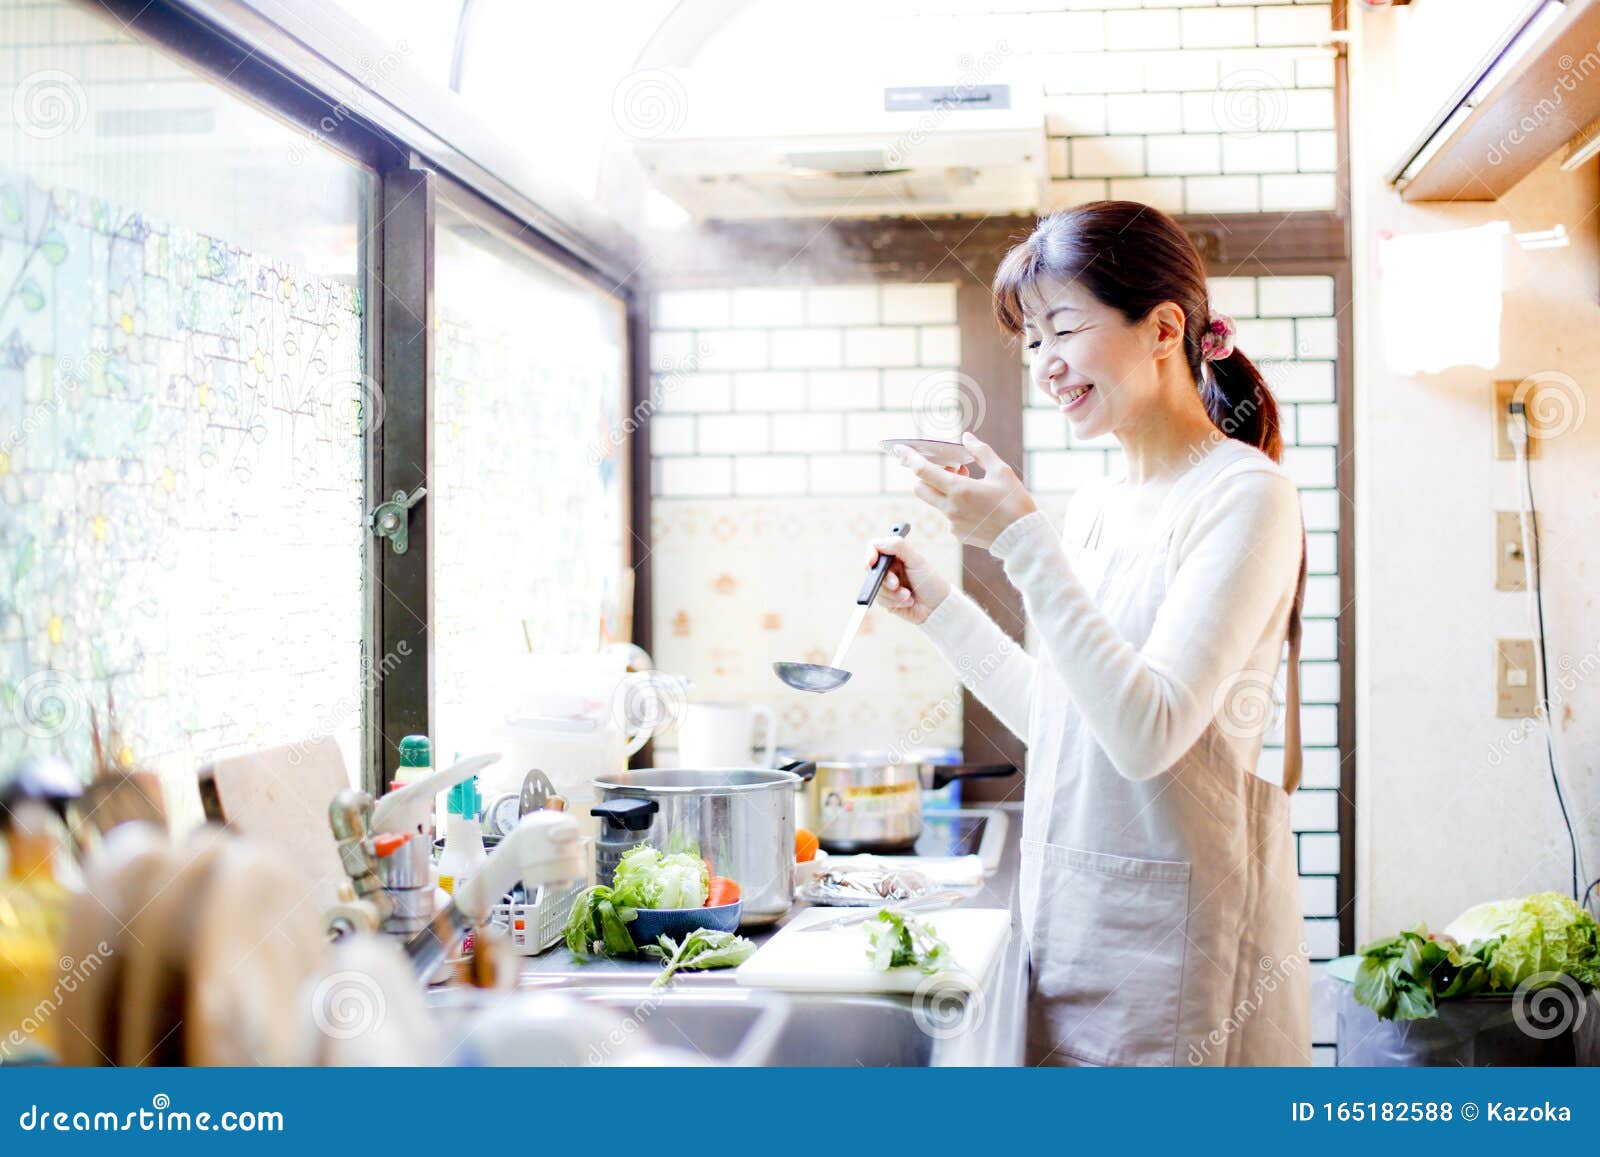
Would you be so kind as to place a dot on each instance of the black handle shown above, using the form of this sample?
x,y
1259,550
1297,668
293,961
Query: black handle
x,y
804,768
946,774
629,814
874,579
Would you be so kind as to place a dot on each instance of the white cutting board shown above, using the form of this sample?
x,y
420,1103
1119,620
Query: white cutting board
x,y
835,959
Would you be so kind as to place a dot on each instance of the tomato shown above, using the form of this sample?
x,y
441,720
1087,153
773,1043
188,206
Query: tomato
x,y
722,891
805,846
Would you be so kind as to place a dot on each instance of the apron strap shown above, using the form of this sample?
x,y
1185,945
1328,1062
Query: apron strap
x,y
1292,755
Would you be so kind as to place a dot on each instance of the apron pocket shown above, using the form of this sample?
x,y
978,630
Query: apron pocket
x,y
1108,947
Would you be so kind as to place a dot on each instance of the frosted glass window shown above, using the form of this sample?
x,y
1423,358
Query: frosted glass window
x,y
527,490
182,401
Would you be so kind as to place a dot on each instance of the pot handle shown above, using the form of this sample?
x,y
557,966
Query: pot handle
x,y
804,768
627,813
946,774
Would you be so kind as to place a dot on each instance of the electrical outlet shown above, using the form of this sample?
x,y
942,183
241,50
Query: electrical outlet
x,y
1504,394
1510,569
1516,692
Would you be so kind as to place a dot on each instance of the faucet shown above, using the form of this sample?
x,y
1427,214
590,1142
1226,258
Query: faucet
x,y
543,849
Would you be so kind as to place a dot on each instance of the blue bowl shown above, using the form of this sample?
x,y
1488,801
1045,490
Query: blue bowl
x,y
679,922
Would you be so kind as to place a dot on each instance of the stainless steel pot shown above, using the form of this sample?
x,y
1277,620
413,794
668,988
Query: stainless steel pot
x,y
742,820
870,802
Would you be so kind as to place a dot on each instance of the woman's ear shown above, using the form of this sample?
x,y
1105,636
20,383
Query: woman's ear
x,y
1169,324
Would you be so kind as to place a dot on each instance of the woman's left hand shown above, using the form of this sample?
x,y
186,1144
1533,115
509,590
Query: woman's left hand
x,y
978,508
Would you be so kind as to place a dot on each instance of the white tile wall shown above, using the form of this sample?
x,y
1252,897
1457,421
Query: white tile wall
x,y
792,388
1234,98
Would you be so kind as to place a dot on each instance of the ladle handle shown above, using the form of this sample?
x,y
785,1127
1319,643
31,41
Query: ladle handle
x,y
874,579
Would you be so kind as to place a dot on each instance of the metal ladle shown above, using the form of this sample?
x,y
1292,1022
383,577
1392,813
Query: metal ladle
x,y
820,677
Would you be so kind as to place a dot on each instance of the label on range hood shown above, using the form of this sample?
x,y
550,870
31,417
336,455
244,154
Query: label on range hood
x,y
921,98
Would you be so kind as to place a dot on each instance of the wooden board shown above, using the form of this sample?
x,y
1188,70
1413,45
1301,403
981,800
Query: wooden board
x,y
279,798
835,959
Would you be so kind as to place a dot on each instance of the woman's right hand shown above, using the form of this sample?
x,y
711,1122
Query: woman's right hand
x,y
912,588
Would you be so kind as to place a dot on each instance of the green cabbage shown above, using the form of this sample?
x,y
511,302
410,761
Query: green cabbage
x,y
647,879
1541,935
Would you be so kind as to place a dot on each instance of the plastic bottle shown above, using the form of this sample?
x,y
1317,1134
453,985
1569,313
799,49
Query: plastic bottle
x,y
416,761
463,841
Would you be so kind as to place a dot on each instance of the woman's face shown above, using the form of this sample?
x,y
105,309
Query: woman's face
x,y
1094,364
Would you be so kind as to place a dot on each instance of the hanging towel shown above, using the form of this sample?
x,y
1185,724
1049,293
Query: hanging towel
x,y
1440,298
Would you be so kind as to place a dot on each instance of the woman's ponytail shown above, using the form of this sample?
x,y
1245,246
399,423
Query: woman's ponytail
x,y
1241,403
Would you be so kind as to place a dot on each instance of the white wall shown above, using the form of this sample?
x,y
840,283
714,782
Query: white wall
x,y
1451,809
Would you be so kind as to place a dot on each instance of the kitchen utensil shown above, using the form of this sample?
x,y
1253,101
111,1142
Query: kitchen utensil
x,y
536,792
819,677
939,451
872,801
836,961
651,923
937,902
719,735
739,819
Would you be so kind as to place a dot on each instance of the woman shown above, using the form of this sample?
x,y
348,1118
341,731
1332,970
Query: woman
x,y
1159,893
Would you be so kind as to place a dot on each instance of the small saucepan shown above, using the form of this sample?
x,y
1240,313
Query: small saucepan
x,y
872,801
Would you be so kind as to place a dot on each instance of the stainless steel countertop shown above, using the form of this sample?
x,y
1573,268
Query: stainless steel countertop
x,y
989,1032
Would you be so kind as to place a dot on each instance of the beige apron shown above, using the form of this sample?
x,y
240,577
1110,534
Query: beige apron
x,y
1163,916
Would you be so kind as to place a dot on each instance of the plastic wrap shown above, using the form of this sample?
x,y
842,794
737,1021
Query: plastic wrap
x,y
1558,1026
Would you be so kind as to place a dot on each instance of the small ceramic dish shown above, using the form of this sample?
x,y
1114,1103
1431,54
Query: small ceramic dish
x,y
939,451
679,922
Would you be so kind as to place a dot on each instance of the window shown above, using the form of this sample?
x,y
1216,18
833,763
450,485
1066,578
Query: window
x,y
528,484
183,390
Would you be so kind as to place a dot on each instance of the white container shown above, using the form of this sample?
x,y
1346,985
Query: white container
x,y
720,735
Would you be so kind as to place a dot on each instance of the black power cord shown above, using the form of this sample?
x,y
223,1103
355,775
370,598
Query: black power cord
x,y
1519,417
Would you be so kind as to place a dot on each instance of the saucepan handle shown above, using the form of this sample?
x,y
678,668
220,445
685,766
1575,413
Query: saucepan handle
x,y
804,768
946,774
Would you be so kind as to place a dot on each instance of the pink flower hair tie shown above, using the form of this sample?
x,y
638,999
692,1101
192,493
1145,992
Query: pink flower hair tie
x,y
1216,340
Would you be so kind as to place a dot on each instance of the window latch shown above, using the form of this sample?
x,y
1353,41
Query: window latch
x,y
389,519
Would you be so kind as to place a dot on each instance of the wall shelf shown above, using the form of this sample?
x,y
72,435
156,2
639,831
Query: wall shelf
x,y
1543,101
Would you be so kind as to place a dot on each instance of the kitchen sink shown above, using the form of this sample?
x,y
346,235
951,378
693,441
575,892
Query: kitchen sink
x,y
618,1022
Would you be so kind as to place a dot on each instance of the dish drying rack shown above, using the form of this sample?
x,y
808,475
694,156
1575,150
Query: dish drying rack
x,y
535,923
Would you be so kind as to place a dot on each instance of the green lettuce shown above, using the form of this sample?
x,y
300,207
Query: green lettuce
x,y
899,940
1403,977
647,879
1543,935
598,924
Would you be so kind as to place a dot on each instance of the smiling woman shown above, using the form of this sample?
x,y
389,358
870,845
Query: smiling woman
x,y
1162,615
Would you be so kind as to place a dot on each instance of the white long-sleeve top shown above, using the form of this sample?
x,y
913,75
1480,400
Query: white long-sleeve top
x,y
1231,576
